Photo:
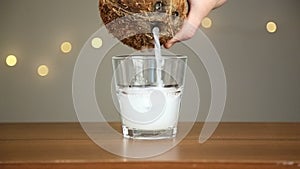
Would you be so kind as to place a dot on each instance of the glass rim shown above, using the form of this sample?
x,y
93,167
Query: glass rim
x,y
145,57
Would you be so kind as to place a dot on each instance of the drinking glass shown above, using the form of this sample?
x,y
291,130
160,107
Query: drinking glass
x,y
149,91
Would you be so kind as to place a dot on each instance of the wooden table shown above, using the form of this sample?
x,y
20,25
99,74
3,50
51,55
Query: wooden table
x,y
233,145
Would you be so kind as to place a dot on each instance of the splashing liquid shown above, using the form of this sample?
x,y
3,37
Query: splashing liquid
x,y
158,57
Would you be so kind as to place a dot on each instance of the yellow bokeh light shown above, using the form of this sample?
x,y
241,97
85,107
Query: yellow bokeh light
x,y
66,47
96,43
43,70
271,27
206,22
11,60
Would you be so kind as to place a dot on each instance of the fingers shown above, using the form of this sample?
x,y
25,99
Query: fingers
x,y
187,31
198,10
190,25
170,43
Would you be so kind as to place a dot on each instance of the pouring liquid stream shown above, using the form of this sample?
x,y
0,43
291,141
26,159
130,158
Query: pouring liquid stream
x,y
158,57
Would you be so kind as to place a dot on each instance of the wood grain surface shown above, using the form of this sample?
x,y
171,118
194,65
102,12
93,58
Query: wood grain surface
x,y
233,145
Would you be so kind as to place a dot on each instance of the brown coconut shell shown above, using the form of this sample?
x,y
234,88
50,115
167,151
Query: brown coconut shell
x,y
132,21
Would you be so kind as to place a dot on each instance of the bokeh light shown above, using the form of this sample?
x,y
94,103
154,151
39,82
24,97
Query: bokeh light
x,y
66,47
271,27
43,70
11,60
96,42
206,23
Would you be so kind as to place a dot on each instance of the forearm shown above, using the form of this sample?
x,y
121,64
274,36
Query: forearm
x,y
220,3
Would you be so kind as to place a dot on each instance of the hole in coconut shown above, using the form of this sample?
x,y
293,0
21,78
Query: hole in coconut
x,y
158,6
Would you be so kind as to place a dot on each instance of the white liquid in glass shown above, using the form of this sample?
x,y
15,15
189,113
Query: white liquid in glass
x,y
151,108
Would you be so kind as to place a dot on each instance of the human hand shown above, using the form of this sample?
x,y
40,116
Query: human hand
x,y
198,10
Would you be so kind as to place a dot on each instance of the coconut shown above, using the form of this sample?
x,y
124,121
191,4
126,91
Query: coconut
x,y
132,21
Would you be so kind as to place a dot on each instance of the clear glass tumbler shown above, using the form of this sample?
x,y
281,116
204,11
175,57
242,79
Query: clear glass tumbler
x,y
149,92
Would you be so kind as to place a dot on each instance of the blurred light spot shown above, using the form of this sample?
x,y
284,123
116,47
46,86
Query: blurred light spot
x,y
43,70
97,43
11,60
206,22
271,27
66,47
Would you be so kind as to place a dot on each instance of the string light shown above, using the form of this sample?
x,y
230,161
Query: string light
x,y
271,27
206,23
11,60
96,43
66,47
43,70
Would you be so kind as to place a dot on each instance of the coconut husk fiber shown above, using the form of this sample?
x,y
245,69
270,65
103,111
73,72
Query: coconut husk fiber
x,y
132,21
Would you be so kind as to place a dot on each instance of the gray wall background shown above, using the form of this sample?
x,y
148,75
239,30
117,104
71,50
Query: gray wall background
x,y
263,70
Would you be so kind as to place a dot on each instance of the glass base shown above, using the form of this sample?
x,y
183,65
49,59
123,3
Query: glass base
x,y
149,134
